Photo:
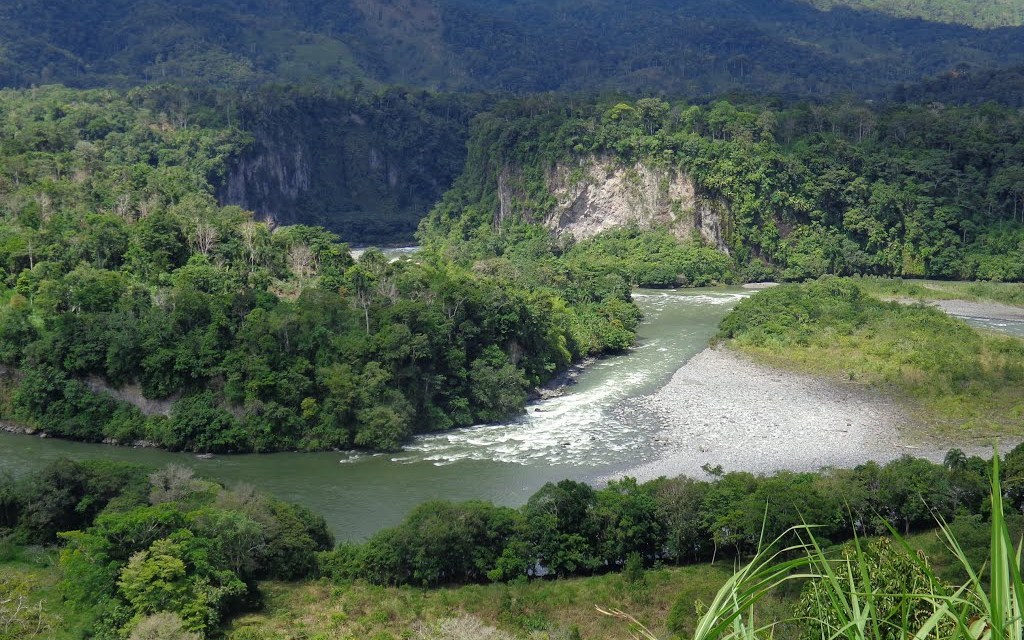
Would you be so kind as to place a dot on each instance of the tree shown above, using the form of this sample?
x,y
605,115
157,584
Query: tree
x,y
162,626
629,523
679,502
913,491
174,575
497,386
562,526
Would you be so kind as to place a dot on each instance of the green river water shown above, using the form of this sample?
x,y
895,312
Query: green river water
x,y
579,435
585,434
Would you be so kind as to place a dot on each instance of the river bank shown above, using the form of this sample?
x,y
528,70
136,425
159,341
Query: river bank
x,y
573,436
981,309
722,408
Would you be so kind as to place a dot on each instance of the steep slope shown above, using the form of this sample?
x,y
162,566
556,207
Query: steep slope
x,y
978,13
694,47
368,166
121,276
968,85
845,188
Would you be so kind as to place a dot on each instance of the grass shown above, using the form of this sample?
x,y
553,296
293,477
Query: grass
x,y
1002,292
958,382
665,602
849,602
321,610
29,576
359,610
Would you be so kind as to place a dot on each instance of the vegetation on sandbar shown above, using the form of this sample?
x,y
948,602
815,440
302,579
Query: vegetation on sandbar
x,y
966,382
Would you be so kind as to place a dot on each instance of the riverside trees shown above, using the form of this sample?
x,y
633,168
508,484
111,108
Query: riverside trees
x,y
571,529
167,543
120,271
136,544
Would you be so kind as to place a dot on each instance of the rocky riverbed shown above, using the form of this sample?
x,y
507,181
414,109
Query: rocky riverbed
x,y
723,409
980,309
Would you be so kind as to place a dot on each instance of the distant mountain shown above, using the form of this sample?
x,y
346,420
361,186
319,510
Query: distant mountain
x,y
692,47
977,13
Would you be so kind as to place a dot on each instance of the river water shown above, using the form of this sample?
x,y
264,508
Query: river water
x,y
997,325
585,434
588,433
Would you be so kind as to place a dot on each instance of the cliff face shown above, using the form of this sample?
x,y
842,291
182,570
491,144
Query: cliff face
x,y
270,179
369,172
599,193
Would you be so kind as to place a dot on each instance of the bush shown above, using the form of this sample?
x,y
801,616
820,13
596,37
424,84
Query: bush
x,y
162,626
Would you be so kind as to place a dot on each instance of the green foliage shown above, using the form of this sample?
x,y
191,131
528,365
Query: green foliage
x,y
570,529
832,326
798,190
651,259
878,590
518,46
174,574
984,13
66,495
136,548
22,615
889,574
122,277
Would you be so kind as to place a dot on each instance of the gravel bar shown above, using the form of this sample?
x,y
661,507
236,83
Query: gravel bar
x,y
989,310
724,409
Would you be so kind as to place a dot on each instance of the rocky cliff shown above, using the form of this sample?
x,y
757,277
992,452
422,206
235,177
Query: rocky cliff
x,y
368,171
270,179
600,193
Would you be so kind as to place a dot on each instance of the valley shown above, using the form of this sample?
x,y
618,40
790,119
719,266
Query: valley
x,y
667,407
709,313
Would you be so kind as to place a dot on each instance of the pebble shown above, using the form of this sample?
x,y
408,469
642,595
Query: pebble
x,y
766,420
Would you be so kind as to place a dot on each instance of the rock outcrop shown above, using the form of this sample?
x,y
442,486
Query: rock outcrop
x,y
368,171
600,193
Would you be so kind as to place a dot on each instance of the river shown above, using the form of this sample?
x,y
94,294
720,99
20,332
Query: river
x,y
586,434
593,431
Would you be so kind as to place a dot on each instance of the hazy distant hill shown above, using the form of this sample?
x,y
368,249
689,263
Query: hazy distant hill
x,y
690,46
978,13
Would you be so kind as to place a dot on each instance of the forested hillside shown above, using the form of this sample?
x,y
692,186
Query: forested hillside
x,y
135,307
797,191
695,47
965,84
367,164
978,13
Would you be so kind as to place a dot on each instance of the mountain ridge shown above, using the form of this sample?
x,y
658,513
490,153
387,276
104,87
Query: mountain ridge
x,y
699,47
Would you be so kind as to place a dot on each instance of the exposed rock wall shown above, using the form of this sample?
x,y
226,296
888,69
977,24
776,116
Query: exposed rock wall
x,y
600,193
366,170
132,394
270,181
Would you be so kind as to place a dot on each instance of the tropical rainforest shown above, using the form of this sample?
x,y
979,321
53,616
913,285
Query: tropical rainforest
x,y
694,47
123,272
802,189
181,184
